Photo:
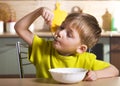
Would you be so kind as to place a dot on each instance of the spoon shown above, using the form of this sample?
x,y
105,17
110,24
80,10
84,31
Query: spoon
x,y
52,33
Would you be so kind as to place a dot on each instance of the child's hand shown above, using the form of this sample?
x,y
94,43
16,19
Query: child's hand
x,y
90,76
47,14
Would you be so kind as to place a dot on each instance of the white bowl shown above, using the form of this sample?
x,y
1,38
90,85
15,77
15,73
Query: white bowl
x,y
68,75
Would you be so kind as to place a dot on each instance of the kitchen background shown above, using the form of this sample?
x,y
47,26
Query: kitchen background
x,y
19,8
103,10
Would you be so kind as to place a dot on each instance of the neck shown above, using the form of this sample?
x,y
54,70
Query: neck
x,y
66,54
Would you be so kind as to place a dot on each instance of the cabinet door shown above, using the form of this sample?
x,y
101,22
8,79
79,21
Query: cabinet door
x,y
115,51
8,57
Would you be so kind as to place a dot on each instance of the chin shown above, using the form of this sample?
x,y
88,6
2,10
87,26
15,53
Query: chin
x,y
56,47
55,44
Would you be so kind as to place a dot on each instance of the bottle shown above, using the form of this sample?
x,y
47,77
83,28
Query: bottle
x,y
107,19
113,28
115,21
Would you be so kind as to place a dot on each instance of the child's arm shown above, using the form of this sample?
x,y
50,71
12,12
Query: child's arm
x,y
111,71
23,24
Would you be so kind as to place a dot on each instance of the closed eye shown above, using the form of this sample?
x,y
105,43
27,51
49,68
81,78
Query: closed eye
x,y
61,28
69,34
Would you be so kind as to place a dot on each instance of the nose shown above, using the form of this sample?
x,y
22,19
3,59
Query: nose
x,y
60,34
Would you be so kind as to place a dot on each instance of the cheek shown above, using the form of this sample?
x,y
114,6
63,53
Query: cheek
x,y
74,44
68,44
61,45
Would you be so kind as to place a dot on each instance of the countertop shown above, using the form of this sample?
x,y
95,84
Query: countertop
x,y
48,34
115,81
41,34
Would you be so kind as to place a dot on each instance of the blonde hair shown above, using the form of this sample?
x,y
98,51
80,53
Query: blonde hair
x,y
87,27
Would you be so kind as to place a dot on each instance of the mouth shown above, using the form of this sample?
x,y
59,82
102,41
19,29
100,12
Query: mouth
x,y
55,37
52,35
56,40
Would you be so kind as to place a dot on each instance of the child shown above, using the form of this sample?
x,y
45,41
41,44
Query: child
x,y
68,49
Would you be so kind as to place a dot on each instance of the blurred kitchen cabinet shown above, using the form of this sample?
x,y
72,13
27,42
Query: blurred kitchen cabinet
x,y
8,57
8,60
115,51
98,50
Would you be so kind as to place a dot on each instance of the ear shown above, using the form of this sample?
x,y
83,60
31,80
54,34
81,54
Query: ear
x,y
81,49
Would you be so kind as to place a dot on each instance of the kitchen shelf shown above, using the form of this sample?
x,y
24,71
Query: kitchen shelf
x,y
49,35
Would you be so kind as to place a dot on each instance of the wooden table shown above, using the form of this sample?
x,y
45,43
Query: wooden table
x,y
49,82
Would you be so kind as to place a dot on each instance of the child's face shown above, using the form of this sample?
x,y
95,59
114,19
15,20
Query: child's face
x,y
67,40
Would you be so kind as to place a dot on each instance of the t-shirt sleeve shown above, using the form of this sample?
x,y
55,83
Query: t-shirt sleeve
x,y
98,64
92,63
36,49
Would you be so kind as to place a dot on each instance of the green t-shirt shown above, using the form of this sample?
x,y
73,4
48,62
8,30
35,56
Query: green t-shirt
x,y
45,57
